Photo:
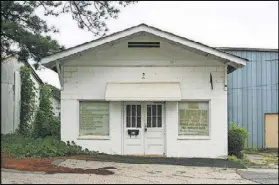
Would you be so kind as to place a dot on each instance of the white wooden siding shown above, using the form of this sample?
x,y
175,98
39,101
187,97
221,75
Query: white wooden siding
x,y
10,94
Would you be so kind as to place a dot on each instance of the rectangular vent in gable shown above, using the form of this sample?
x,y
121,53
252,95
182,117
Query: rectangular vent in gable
x,y
143,44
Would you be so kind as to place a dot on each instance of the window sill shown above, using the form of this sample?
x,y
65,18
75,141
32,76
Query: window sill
x,y
193,138
93,138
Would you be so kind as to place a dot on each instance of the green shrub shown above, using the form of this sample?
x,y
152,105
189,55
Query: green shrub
x,y
233,158
21,146
55,127
236,140
46,124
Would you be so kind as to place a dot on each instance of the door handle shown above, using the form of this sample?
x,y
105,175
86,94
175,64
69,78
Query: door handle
x,y
145,129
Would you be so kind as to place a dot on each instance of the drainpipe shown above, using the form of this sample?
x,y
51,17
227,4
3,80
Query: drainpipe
x,y
226,78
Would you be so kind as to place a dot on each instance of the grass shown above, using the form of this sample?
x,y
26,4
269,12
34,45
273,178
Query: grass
x,y
257,151
269,157
243,161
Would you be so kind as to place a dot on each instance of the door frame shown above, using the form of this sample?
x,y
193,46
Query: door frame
x,y
144,120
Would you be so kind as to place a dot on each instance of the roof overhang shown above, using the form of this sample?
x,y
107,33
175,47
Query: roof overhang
x,y
231,60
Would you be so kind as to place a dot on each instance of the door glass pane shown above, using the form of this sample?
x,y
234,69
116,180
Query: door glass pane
x,y
128,112
148,116
153,110
154,121
133,110
138,110
159,108
149,110
149,122
128,116
138,122
138,116
159,123
133,121
128,122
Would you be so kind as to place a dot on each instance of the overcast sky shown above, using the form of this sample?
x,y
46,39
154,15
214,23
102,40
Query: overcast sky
x,y
217,24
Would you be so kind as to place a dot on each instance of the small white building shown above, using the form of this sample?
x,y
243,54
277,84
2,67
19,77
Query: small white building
x,y
144,91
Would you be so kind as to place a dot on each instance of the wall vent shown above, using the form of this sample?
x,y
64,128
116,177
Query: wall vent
x,y
143,44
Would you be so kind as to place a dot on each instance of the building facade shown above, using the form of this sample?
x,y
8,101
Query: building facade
x,y
144,91
253,92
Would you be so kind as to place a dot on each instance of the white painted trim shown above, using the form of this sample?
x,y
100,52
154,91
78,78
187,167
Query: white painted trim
x,y
235,61
59,74
139,65
122,126
226,78
93,138
194,137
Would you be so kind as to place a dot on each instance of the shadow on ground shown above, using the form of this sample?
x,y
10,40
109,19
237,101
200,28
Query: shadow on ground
x,y
202,162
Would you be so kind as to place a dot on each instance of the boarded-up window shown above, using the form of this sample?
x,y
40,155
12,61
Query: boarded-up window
x,y
94,118
193,118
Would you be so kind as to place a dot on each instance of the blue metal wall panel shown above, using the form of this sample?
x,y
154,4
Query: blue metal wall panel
x,y
252,92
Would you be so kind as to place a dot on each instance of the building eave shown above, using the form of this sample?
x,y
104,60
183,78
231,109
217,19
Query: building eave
x,y
230,59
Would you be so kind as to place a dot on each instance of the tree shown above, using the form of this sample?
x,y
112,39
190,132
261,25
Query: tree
x,y
24,33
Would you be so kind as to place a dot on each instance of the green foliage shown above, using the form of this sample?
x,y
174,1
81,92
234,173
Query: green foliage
x,y
21,27
233,158
46,123
21,146
244,160
54,91
236,140
252,150
27,101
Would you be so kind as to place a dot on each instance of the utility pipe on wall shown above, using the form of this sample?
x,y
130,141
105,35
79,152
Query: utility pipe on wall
x,y
226,77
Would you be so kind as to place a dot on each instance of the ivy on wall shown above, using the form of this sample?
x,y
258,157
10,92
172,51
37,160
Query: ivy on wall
x,y
45,122
55,91
28,95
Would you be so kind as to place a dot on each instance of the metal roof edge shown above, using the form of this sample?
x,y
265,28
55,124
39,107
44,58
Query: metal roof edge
x,y
248,49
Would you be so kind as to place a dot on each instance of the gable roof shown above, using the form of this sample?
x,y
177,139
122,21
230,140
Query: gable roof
x,y
232,60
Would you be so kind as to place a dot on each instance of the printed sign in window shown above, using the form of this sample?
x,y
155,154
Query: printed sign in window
x,y
193,118
94,118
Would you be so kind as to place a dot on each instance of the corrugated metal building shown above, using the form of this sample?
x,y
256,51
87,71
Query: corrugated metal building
x,y
253,91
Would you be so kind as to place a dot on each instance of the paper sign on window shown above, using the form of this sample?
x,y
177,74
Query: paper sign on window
x,y
94,118
193,118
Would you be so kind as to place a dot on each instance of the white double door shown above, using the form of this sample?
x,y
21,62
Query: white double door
x,y
144,128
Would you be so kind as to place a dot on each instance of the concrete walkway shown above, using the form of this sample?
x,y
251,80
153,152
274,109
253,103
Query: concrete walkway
x,y
130,173
262,176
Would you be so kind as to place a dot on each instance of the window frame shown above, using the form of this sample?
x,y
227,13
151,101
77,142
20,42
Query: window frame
x,y
195,137
93,137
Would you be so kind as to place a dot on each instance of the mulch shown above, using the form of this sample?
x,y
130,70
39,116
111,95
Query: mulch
x,y
45,165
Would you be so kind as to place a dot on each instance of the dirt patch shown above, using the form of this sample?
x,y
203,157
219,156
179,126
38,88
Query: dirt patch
x,y
44,164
